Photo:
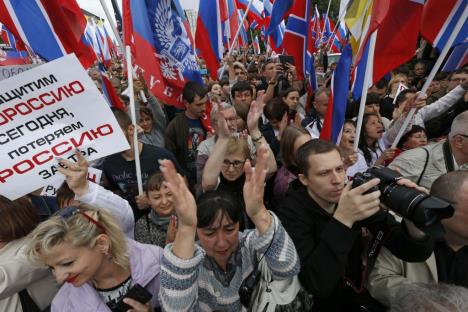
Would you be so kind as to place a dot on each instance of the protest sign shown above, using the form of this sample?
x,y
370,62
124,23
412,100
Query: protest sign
x,y
10,71
94,175
46,114
401,87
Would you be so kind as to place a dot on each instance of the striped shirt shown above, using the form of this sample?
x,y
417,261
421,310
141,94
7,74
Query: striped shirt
x,y
192,285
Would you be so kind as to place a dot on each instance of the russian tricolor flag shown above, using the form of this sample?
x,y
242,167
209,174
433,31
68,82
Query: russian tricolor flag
x,y
209,35
255,11
439,20
51,28
335,115
108,90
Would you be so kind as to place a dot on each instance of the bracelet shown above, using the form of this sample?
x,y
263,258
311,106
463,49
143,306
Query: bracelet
x,y
272,82
257,139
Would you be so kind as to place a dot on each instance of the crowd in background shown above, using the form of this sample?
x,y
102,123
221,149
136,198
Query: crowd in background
x,y
239,182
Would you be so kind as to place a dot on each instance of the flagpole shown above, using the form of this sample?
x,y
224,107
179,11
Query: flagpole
x,y
336,27
237,35
111,22
367,79
328,8
319,32
433,72
136,149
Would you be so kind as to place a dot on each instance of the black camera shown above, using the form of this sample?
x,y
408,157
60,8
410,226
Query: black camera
x,y
423,210
247,287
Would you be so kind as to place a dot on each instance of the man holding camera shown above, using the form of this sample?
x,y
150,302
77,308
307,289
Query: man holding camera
x,y
332,226
448,263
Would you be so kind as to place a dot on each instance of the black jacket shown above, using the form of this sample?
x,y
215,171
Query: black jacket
x,y
330,251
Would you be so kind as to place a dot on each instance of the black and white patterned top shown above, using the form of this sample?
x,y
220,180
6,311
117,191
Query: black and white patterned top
x,y
111,296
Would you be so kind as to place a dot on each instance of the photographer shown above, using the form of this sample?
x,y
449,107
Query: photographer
x,y
448,262
331,224
279,80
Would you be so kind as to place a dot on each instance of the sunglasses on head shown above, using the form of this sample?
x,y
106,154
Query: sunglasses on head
x,y
68,212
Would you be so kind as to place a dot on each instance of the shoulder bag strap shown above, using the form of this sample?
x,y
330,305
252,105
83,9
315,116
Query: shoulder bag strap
x,y
27,303
425,165
448,156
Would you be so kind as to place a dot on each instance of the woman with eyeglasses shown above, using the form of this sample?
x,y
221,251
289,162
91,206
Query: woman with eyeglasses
x,y
207,275
224,169
90,251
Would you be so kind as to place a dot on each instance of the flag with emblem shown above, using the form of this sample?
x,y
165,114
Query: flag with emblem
x,y
163,51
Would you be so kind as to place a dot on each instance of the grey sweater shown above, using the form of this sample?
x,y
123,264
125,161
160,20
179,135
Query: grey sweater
x,y
199,285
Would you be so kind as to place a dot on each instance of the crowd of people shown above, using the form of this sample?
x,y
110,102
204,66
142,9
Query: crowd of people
x,y
245,208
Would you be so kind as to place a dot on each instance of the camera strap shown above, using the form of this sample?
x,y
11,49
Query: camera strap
x,y
448,157
376,243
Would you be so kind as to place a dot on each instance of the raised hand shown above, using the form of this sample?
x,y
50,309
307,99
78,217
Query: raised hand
x,y
254,188
186,209
184,203
255,112
221,123
76,174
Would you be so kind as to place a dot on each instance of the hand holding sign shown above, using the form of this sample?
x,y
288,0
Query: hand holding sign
x,y
76,174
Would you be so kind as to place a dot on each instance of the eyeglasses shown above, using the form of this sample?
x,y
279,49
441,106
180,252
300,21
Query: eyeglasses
x,y
68,212
232,119
236,163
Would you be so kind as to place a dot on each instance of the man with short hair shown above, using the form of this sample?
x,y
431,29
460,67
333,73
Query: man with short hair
x,y
186,131
457,78
242,96
314,122
424,165
242,93
330,225
204,149
448,263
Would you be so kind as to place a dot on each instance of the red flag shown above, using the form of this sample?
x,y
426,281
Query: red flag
x,y
397,36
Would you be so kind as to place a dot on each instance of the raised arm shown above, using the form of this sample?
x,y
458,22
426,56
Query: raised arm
x,y
95,195
255,112
443,104
158,113
181,259
214,163
270,237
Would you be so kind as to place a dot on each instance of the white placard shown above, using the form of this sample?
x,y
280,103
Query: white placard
x,y
94,175
400,88
47,113
10,71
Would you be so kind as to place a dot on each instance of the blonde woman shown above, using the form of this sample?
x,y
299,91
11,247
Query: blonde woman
x,y
387,104
90,254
